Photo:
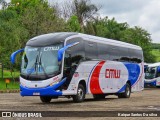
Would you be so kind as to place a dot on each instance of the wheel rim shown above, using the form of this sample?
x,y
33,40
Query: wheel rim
x,y
80,93
128,91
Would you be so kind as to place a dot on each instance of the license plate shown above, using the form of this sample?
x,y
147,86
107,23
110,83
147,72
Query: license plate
x,y
36,93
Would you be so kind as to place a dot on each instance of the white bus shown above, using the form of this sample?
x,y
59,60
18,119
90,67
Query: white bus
x,y
152,75
75,64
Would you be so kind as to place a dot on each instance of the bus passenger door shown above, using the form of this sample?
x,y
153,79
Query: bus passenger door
x,y
67,69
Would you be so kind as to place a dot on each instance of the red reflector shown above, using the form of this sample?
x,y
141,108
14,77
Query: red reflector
x,y
76,75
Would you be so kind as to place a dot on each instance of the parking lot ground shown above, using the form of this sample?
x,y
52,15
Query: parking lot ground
x,y
146,100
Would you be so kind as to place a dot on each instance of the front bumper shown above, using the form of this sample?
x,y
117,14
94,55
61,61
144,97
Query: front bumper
x,y
47,91
150,83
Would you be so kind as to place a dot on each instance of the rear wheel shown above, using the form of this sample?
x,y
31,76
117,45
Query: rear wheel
x,y
99,96
127,92
45,99
80,94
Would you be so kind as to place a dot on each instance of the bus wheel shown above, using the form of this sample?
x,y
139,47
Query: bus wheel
x,y
98,97
45,99
127,92
80,94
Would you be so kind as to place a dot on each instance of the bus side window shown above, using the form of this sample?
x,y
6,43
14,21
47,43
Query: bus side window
x,y
103,52
135,56
67,61
158,72
76,54
91,51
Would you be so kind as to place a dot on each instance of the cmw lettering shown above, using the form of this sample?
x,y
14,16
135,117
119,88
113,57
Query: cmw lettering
x,y
112,73
51,48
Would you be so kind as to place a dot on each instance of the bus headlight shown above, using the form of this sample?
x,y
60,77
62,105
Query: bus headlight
x,y
53,83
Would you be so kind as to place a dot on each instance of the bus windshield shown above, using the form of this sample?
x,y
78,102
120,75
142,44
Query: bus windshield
x,y
150,72
40,61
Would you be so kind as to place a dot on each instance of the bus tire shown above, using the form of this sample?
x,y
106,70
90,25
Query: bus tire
x,y
45,99
98,96
127,92
80,94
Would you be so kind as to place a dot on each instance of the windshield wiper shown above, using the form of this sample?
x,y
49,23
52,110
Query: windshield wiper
x,y
35,64
41,66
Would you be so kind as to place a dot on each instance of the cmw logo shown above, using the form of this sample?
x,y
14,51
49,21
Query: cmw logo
x,y
112,73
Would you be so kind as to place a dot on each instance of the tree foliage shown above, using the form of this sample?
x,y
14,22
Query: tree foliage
x,y
73,24
12,34
24,19
109,28
155,46
84,10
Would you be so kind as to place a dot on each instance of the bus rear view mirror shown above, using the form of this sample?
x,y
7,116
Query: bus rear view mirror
x,y
13,55
62,50
158,69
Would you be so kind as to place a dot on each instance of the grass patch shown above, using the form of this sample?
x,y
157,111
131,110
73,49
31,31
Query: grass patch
x,y
7,74
156,53
11,85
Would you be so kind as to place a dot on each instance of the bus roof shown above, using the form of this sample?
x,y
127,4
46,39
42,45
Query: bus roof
x,y
154,64
58,37
49,39
111,41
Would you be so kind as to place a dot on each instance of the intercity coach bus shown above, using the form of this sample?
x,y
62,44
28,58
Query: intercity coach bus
x,y
152,75
74,64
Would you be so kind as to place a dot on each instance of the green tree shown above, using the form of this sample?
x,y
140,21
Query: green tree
x,y
83,9
110,28
142,38
38,17
11,35
73,24
106,28
24,20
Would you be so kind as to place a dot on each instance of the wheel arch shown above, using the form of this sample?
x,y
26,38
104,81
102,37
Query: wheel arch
x,y
83,82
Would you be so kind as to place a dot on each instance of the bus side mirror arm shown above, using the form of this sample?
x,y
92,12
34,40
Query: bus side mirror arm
x,y
62,50
13,55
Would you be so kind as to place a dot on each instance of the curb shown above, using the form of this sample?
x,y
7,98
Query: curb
x,y
9,91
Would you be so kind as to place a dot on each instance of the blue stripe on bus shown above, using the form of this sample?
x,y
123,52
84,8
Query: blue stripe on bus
x,y
133,72
122,89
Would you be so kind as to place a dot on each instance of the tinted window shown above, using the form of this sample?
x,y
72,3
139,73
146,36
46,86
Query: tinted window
x,y
123,53
116,53
87,50
103,52
76,53
73,56
110,52
135,55
91,51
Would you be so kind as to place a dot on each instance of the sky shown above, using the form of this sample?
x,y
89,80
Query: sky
x,y
143,13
